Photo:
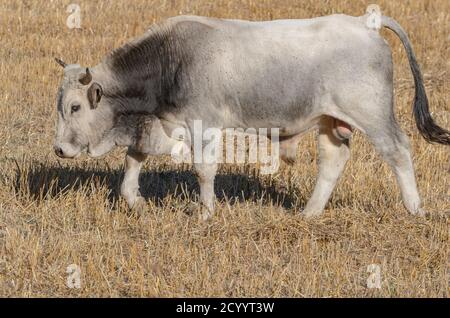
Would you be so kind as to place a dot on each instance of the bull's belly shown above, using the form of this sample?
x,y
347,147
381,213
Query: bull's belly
x,y
287,121
285,128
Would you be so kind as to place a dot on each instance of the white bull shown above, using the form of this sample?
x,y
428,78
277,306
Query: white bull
x,y
332,73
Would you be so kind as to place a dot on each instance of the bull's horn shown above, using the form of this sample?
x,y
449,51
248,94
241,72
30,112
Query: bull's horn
x,y
60,62
85,78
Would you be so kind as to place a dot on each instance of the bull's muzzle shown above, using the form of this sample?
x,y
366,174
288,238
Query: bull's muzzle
x,y
58,151
65,150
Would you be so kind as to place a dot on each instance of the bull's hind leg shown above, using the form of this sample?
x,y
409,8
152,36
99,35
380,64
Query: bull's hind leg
x,y
333,155
393,145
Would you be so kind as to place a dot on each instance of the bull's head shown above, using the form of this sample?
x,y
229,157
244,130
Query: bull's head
x,y
82,121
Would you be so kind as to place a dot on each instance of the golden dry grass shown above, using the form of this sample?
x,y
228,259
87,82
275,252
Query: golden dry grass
x,y
54,212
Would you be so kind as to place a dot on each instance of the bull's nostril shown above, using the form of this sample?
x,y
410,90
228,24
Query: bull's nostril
x,y
58,151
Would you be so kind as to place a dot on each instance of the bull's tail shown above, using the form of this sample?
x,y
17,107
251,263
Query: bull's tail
x,y
425,123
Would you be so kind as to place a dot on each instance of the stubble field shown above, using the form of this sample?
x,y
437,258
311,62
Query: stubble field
x,y
54,213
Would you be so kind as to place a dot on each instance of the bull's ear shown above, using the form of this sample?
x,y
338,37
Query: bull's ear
x,y
94,94
85,78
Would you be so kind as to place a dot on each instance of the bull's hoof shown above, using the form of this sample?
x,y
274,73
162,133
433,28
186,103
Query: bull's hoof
x,y
139,207
311,214
205,215
190,209
201,211
420,212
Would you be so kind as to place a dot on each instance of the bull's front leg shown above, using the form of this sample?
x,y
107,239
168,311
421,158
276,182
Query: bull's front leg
x,y
130,184
206,173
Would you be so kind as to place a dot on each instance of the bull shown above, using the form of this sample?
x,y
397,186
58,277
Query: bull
x,y
332,73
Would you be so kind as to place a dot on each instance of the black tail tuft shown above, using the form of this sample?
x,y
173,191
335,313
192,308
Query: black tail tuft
x,y
425,123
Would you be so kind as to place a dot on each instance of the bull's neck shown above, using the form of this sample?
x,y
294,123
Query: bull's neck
x,y
125,94
142,76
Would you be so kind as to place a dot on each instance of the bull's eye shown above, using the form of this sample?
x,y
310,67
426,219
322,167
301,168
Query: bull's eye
x,y
75,108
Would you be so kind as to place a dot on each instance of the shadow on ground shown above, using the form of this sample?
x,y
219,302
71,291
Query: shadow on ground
x,y
42,182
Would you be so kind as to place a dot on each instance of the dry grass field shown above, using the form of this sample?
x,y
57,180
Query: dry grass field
x,y
56,212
